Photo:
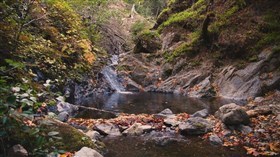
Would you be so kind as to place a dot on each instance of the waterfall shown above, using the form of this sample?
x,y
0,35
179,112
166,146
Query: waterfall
x,y
112,78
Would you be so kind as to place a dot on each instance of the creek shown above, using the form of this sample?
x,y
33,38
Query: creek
x,y
154,144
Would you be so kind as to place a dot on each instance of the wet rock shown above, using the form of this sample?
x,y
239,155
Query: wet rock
x,y
137,129
215,140
245,129
195,126
63,116
87,152
164,114
232,114
93,134
202,113
107,129
17,151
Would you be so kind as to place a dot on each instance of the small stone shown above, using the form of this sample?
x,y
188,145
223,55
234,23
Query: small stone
x,y
63,116
87,152
107,129
245,129
166,111
215,140
93,134
171,122
137,129
17,151
202,113
164,114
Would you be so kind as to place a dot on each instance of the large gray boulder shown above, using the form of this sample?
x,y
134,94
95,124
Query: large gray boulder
x,y
107,129
232,114
87,152
195,126
252,80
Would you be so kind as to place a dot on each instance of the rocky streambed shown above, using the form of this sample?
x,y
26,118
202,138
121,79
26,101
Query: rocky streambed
x,y
233,130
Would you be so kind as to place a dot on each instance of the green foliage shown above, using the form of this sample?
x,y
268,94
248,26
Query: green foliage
x,y
138,27
271,31
148,7
223,19
191,14
186,48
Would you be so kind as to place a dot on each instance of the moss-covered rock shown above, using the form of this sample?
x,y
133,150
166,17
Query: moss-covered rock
x,y
147,42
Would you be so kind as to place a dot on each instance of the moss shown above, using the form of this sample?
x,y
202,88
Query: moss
x,y
72,139
181,17
271,31
222,19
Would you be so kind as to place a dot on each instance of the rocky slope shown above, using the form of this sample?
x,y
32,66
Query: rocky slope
x,y
203,48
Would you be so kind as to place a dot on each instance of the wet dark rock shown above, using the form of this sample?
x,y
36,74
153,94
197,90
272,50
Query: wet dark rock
x,y
137,129
17,151
202,113
87,152
107,129
195,126
215,140
232,114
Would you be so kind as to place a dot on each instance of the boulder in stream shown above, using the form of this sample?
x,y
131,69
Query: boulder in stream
x,y
232,114
195,126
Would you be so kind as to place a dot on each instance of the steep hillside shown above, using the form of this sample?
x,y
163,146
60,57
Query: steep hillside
x,y
210,48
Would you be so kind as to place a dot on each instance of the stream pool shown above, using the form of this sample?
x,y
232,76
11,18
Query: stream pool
x,y
150,103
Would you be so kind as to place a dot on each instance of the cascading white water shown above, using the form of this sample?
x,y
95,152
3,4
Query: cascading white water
x,y
112,78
